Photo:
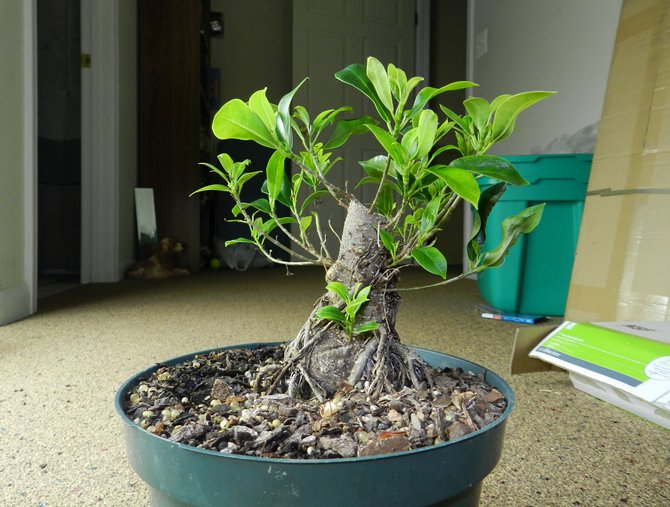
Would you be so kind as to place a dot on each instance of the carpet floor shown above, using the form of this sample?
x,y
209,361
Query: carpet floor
x,y
61,442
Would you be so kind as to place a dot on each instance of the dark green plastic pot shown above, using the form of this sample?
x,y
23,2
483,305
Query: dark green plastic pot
x,y
450,473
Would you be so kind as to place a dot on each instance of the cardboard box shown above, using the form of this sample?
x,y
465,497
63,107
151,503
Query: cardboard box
x,y
626,364
621,269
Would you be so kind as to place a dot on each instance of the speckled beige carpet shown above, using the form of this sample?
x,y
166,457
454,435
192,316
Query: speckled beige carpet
x,y
61,441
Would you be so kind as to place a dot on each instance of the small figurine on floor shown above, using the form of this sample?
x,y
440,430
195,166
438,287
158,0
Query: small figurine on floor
x,y
162,264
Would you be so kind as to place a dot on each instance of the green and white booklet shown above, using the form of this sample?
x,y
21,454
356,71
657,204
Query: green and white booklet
x,y
612,360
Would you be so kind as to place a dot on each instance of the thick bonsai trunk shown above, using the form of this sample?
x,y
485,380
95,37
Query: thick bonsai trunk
x,y
322,359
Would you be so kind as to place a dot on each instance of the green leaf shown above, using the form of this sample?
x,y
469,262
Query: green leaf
x,y
487,201
236,120
245,241
380,80
388,242
479,110
261,205
426,132
216,187
330,313
430,214
340,289
510,108
276,175
429,92
431,259
386,202
513,227
355,75
305,222
346,128
491,166
460,181
366,327
394,149
260,105
375,166
311,197
283,125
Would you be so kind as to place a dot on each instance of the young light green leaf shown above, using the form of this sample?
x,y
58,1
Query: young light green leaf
x,y
305,222
283,123
397,152
388,242
460,181
426,132
236,120
479,111
366,327
260,105
216,187
510,108
431,259
340,289
275,175
430,213
237,241
330,313
380,80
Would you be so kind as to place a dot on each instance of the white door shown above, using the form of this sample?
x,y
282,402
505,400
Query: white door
x,y
328,35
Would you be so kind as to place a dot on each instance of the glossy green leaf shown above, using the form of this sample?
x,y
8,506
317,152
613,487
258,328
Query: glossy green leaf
x,y
462,182
426,131
346,128
431,259
215,187
330,313
366,327
276,175
237,241
380,81
311,197
340,289
513,227
260,105
305,222
261,205
388,242
236,120
393,148
479,111
510,108
283,124
429,92
375,166
355,75
491,166
430,214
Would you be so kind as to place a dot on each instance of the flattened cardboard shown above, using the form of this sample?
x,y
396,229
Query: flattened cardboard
x,y
620,270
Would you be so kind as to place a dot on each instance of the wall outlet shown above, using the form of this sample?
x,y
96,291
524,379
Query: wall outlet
x,y
481,43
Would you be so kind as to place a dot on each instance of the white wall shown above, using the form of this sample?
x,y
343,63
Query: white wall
x,y
17,163
11,144
561,45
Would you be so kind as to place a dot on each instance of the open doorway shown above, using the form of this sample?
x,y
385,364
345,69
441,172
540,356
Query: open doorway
x,y
59,144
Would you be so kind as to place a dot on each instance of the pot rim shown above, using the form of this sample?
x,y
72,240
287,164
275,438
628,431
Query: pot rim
x,y
490,377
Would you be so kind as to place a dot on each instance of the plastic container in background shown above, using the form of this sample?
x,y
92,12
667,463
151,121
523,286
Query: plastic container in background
x,y
535,276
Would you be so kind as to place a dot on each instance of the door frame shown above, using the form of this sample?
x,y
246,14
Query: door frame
x,y
100,142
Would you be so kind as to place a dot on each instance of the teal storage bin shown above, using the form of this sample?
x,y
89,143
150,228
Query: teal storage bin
x,y
535,276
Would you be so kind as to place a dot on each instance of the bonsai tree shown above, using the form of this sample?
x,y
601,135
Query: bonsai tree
x,y
350,337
